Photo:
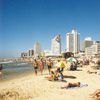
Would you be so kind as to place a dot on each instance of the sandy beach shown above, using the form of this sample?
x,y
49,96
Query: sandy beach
x,y
32,87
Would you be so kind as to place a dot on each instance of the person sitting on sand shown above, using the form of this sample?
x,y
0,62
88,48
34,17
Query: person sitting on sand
x,y
60,76
52,76
96,94
69,85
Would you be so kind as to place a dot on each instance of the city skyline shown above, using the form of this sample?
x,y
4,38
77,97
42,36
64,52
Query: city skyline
x,y
25,22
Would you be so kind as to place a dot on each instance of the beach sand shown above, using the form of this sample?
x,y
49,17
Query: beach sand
x,y
32,87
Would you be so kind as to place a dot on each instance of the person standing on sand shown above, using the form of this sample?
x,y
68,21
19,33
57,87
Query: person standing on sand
x,y
1,67
41,65
49,64
35,65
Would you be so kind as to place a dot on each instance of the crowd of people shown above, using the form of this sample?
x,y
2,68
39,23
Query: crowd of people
x,y
39,64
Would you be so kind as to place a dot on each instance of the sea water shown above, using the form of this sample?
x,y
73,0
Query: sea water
x,y
12,69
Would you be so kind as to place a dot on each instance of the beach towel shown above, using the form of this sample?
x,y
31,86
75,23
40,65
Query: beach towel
x,y
81,85
98,73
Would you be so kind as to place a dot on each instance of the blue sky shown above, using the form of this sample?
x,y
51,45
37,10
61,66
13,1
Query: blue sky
x,y
23,22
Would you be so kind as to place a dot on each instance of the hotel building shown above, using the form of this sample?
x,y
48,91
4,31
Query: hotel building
x,y
73,41
56,45
88,42
37,49
93,50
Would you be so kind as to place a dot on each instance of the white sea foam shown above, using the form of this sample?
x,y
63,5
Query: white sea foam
x,y
6,62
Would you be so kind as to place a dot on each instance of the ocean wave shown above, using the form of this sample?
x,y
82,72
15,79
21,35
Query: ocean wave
x,y
6,62
22,64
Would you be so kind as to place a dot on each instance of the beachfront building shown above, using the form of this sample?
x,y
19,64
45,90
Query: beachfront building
x,y
37,50
88,42
23,54
30,53
93,50
47,53
89,51
73,41
56,45
96,49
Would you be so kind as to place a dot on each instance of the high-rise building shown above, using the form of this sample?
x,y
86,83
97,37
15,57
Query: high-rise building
x,y
56,45
23,54
70,45
37,49
73,41
88,42
96,47
30,53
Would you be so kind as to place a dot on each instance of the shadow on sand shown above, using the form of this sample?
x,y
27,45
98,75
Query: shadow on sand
x,y
72,77
78,70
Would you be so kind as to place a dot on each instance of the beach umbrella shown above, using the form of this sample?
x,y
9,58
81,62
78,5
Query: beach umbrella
x,y
71,59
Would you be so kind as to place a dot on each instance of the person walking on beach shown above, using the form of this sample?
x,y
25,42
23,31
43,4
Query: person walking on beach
x,y
35,65
1,67
49,64
41,65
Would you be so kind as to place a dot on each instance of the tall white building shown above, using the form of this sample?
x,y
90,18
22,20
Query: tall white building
x,y
56,45
37,49
70,45
73,41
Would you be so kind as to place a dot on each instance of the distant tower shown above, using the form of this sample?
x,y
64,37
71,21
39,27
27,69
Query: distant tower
x,y
37,49
73,41
56,45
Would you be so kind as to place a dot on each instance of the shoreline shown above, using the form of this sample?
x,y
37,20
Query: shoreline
x,y
21,75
